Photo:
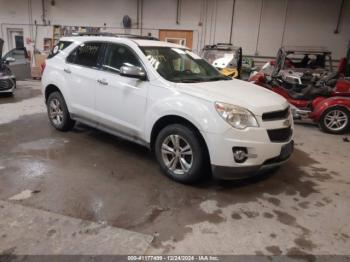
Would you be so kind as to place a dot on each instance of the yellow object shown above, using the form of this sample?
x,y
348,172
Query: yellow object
x,y
231,72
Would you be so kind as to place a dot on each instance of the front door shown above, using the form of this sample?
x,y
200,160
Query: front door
x,y
20,67
121,101
180,37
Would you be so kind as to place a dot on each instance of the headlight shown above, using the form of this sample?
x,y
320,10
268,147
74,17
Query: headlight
x,y
3,77
236,116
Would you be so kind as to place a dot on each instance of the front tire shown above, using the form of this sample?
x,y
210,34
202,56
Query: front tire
x,y
58,112
180,153
335,120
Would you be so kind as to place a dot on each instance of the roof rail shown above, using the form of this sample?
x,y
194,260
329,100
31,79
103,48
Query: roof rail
x,y
221,46
117,35
93,34
230,44
146,37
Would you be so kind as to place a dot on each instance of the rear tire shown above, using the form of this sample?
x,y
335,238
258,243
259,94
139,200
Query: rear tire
x,y
58,112
335,120
180,153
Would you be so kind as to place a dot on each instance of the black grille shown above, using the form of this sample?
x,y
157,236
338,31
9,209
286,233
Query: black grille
x,y
286,151
276,115
6,84
280,135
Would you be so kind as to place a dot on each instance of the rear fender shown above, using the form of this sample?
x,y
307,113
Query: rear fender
x,y
324,104
53,77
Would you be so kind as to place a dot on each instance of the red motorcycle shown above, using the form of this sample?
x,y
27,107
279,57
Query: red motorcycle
x,y
327,105
303,75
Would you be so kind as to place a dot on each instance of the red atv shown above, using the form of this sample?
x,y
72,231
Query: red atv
x,y
315,94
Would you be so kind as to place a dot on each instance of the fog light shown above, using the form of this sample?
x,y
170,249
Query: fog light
x,y
240,154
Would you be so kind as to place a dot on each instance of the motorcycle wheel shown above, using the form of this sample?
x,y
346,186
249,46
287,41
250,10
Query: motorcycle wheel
x,y
335,120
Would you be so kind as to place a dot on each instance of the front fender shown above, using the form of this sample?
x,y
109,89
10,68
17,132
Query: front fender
x,y
323,104
199,112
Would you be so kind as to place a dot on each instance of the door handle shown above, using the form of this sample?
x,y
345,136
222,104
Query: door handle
x,y
67,70
102,82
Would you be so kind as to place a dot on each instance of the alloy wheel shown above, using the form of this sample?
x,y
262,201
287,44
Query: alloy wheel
x,y
56,112
177,154
336,120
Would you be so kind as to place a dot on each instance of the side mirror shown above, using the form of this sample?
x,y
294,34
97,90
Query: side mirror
x,y
9,60
133,71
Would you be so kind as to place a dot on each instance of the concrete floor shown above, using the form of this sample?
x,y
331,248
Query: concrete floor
x,y
86,174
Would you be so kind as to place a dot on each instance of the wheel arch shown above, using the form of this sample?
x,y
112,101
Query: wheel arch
x,y
50,89
175,119
327,104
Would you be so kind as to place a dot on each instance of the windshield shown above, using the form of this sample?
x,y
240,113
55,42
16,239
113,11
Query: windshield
x,y
309,61
181,65
221,58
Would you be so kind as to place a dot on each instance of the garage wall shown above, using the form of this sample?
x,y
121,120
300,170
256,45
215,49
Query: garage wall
x,y
259,26
271,27
91,12
285,22
309,23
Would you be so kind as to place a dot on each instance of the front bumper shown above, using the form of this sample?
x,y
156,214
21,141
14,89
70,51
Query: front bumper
x,y
7,85
240,172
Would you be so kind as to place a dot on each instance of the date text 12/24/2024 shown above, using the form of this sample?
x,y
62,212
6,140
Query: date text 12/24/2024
x,y
173,258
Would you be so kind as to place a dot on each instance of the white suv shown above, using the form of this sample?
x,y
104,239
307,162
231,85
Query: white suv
x,y
165,97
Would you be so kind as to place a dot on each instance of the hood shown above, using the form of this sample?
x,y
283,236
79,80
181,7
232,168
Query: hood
x,y
1,46
237,92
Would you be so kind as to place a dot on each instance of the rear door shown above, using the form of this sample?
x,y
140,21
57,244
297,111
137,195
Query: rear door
x,y
82,72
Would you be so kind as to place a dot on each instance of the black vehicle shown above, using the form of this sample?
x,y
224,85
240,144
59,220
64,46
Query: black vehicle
x,y
7,79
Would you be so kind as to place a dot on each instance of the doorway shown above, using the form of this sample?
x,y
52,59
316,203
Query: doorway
x,y
180,37
15,38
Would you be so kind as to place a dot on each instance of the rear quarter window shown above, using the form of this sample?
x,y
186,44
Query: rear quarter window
x,y
57,48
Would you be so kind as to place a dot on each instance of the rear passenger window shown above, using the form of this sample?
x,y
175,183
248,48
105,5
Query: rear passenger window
x,y
117,56
57,48
85,55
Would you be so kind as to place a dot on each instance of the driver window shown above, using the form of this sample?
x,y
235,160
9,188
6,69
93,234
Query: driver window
x,y
118,55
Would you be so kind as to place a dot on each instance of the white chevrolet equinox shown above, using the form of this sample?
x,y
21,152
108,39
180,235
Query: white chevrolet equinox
x,y
165,97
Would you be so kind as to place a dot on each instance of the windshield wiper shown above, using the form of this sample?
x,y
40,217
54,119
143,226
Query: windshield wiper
x,y
196,80
218,78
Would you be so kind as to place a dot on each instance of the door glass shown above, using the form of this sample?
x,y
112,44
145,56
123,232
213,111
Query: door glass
x,y
117,56
18,54
85,55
